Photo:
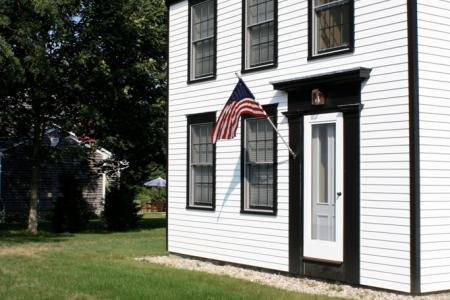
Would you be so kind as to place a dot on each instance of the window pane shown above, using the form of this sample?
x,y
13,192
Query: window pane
x,y
269,10
201,164
251,152
202,43
269,151
260,31
259,164
261,11
252,12
254,55
197,193
332,26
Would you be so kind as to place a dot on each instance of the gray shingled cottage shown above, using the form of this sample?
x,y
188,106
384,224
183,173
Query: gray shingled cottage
x,y
15,173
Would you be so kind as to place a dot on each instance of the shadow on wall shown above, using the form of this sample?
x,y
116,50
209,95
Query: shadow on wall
x,y
236,181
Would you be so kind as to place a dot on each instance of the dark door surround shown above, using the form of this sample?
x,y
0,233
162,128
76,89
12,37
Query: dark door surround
x,y
343,94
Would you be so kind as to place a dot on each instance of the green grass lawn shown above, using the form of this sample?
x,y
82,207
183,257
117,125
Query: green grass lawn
x,y
99,265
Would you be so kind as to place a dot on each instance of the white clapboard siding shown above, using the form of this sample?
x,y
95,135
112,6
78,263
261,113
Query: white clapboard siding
x,y
434,108
262,241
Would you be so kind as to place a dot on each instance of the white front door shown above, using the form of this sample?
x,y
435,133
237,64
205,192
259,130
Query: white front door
x,y
323,187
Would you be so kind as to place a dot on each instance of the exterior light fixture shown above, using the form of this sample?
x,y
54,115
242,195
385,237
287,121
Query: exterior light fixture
x,y
317,97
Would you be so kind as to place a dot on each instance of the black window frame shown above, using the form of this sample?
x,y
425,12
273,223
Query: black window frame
x,y
334,51
272,65
271,110
201,118
190,78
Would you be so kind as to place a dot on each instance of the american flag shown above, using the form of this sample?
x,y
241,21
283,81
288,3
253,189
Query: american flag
x,y
241,102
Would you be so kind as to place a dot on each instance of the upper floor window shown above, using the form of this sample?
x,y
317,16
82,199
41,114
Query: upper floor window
x,y
259,36
202,41
201,159
259,159
331,27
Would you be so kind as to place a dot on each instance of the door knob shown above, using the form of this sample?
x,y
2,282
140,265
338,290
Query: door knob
x,y
339,194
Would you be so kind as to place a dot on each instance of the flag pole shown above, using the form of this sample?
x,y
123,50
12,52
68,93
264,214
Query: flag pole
x,y
274,127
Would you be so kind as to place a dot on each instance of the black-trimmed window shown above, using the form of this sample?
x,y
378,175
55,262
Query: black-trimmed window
x,y
260,34
201,162
202,39
259,164
330,27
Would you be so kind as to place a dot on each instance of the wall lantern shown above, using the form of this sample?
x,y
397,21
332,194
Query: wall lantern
x,y
317,97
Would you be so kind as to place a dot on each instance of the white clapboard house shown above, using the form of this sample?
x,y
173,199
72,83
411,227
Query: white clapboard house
x,y
360,90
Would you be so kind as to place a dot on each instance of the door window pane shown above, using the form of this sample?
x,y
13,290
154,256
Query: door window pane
x,y
323,153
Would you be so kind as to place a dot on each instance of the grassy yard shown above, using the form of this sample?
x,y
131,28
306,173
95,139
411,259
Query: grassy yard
x,y
99,265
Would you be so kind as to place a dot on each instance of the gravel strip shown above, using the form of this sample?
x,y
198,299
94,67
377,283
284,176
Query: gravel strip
x,y
303,285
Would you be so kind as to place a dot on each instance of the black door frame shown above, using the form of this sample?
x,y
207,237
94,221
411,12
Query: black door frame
x,y
343,94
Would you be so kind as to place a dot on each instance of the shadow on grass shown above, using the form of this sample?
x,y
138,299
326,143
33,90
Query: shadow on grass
x,y
97,226
15,233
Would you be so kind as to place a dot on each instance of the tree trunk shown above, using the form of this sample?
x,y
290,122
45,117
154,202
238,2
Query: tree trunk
x,y
33,216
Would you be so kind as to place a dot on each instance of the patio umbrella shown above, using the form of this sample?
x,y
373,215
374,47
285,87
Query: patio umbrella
x,y
158,182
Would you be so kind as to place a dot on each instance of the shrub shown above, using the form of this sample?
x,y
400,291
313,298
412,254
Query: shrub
x,y
2,214
71,211
121,212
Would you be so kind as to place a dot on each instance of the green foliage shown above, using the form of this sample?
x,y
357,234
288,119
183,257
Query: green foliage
x,y
149,194
36,41
121,73
71,211
96,67
121,211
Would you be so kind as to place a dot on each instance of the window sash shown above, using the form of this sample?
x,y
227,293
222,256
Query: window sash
x,y
201,165
203,64
259,167
342,29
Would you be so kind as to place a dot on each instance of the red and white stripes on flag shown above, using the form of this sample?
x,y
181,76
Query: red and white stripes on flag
x,y
241,102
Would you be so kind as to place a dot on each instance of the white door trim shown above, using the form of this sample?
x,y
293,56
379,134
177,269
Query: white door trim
x,y
314,248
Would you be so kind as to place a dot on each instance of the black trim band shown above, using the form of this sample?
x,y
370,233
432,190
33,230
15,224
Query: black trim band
x,y
414,147
339,77
167,131
343,94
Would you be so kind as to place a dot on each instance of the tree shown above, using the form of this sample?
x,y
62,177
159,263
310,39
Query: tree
x,y
35,93
95,67
121,211
122,63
